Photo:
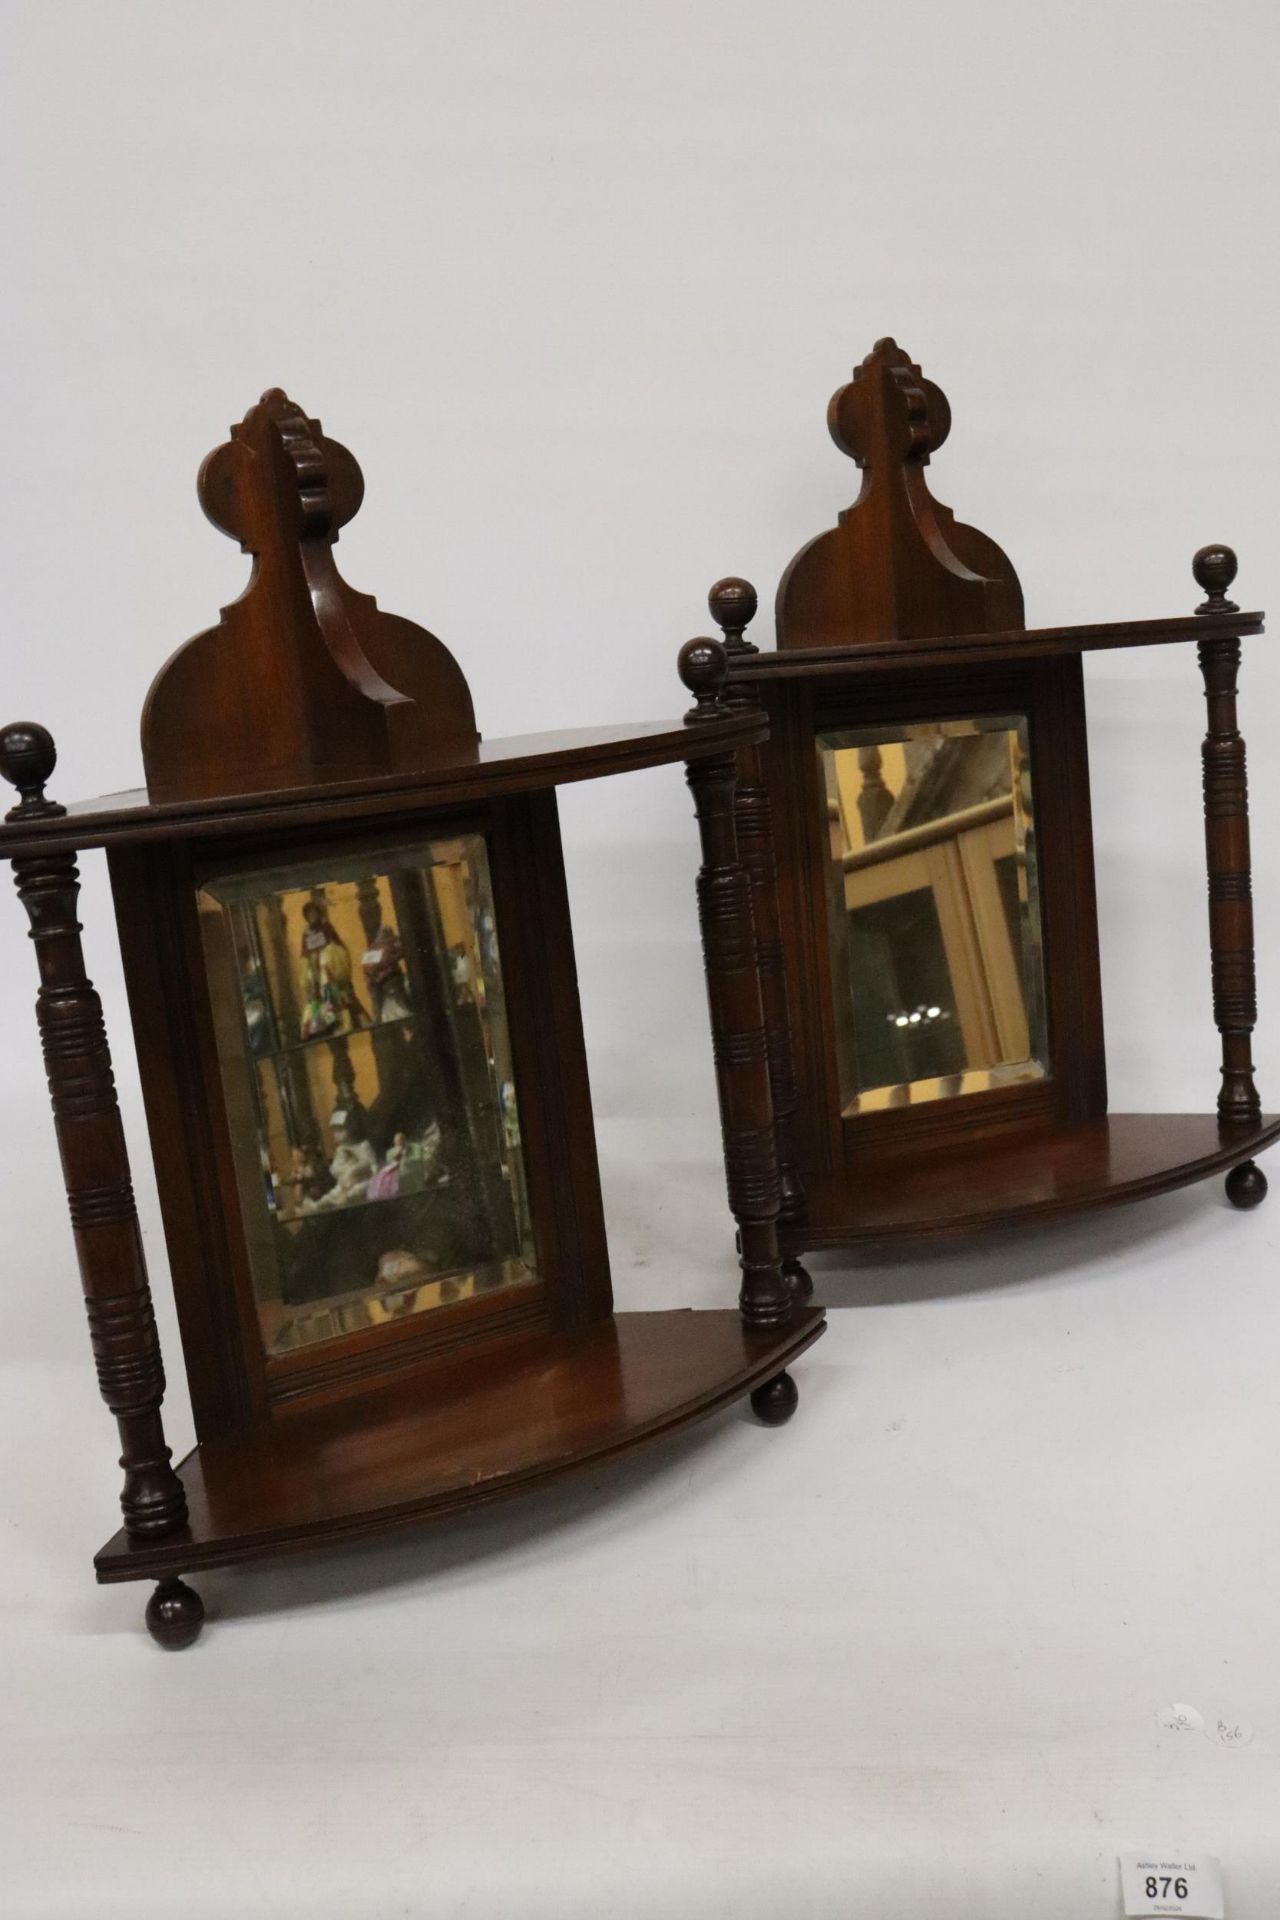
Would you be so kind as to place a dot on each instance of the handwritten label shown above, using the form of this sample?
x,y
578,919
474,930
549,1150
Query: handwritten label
x,y
1180,1718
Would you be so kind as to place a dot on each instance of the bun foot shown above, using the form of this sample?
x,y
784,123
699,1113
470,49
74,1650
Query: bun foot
x,y
797,1278
175,1615
776,1401
1246,1185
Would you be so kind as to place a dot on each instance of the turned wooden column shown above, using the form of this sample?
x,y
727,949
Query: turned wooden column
x,y
95,1163
1226,828
733,605
737,1017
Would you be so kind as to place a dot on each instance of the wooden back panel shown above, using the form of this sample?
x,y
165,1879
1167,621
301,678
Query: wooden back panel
x,y
303,680
898,565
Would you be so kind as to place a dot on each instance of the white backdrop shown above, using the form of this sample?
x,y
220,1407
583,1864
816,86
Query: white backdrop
x,y
575,281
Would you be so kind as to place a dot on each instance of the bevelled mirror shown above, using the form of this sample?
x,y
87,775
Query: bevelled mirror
x,y
937,965
919,836
365,1057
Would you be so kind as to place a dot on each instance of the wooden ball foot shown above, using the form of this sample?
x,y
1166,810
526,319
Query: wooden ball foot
x,y
776,1401
1246,1185
797,1278
175,1615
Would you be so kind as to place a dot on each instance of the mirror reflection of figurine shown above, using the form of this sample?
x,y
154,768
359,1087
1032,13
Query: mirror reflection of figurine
x,y
410,1165
385,1184
257,1018
488,939
329,1003
510,1114
307,1181
460,968
352,1167
385,977
398,1267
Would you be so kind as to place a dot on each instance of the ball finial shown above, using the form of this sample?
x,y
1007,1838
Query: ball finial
x,y
733,604
703,665
27,758
1215,568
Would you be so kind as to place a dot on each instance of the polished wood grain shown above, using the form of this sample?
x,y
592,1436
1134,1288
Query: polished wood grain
x,y
1035,1175
733,604
523,763
308,726
736,1007
233,1383
95,1160
1014,644
901,613
174,1615
898,565
839,1154
303,680
1226,828
407,1453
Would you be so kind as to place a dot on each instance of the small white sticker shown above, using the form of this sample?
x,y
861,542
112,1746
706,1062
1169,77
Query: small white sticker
x,y
1180,1718
1229,1730
1189,1884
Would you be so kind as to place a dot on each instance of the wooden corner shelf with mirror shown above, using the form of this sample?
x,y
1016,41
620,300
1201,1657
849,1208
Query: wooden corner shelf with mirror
x,y
918,831
349,960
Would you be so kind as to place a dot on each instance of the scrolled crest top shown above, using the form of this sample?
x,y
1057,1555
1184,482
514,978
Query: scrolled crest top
x,y
304,681
889,408
278,456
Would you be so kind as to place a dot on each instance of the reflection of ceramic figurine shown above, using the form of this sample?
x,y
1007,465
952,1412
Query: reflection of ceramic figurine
x,y
429,1151
400,1268
510,1113
329,1003
308,1176
410,1165
353,1166
384,976
385,1184
256,1018
488,951
460,966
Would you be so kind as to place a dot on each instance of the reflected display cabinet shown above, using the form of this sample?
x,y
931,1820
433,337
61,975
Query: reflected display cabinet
x,y
917,829
349,961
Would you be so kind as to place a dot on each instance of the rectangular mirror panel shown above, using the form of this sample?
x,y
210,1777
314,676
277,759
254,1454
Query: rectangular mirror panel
x,y
363,1046
936,953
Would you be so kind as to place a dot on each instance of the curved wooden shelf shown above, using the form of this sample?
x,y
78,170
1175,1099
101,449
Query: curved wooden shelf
x,y
522,763
497,1424
898,651
1036,1176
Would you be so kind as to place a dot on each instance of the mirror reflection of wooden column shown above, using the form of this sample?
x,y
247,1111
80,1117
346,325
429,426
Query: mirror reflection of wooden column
x,y
469,1126
1226,826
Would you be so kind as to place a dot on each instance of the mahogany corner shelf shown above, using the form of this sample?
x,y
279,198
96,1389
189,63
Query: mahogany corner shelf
x,y
918,831
349,959
533,1412
1040,1176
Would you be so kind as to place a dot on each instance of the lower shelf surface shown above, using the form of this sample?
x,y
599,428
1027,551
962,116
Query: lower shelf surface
x,y
435,1443
1098,1163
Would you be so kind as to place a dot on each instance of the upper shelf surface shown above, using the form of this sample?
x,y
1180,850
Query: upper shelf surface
x,y
1020,643
520,764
